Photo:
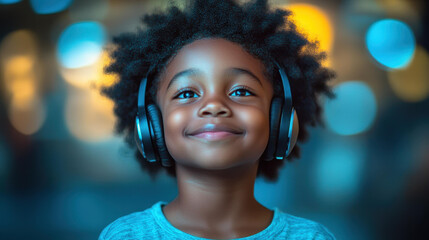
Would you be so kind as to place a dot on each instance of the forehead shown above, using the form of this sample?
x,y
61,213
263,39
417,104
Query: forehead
x,y
212,56
216,52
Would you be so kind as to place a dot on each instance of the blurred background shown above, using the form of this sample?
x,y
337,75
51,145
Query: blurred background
x,y
65,175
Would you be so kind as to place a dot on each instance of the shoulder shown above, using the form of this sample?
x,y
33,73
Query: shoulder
x,y
302,228
132,226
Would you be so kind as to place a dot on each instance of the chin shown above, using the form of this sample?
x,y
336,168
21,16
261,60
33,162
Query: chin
x,y
219,163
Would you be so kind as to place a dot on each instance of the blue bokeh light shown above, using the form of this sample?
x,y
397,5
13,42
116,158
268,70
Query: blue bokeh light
x,y
9,1
338,171
353,110
81,44
276,194
391,43
49,6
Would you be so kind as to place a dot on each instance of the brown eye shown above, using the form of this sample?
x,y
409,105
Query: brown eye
x,y
242,92
186,93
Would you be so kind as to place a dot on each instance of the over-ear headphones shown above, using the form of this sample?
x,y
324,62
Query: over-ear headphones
x,y
284,126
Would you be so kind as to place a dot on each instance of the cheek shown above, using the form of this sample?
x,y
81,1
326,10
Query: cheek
x,y
256,122
174,124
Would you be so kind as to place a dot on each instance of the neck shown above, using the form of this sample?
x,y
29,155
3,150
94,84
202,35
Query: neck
x,y
209,198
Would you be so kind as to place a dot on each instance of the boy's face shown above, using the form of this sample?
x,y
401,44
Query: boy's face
x,y
213,73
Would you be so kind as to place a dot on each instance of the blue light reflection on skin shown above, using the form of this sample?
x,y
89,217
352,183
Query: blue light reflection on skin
x,y
391,43
353,110
49,6
81,44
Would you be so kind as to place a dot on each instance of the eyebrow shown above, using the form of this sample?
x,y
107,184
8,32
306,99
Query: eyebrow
x,y
230,71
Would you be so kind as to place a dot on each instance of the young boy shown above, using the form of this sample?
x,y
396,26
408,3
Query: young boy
x,y
215,115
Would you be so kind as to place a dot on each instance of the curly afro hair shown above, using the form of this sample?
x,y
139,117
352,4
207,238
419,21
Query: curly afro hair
x,y
264,33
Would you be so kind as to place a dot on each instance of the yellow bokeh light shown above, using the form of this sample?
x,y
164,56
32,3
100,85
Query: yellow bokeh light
x,y
27,93
79,77
89,116
20,80
18,64
18,56
29,118
20,42
313,23
18,53
105,80
92,75
411,84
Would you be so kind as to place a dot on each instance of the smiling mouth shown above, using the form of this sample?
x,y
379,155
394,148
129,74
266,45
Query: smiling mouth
x,y
214,136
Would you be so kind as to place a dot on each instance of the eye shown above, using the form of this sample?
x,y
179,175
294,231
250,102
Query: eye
x,y
242,92
185,93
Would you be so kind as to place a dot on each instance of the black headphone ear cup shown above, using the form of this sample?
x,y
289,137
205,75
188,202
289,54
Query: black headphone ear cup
x,y
156,122
142,137
275,113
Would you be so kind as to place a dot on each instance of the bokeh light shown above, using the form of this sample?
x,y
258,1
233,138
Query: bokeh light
x,y
338,171
313,22
89,116
275,194
81,44
49,6
20,67
19,42
94,9
20,80
411,84
91,75
353,110
391,43
9,1
28,118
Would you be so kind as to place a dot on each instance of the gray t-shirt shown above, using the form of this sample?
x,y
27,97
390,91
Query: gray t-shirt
x,y
152,224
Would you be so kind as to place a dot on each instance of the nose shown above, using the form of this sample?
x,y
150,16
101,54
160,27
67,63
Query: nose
x,y
214,107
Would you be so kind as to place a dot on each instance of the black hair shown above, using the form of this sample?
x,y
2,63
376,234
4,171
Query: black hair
x,y
265,33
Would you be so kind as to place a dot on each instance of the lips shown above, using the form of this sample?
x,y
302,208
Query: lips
x,y
215,132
